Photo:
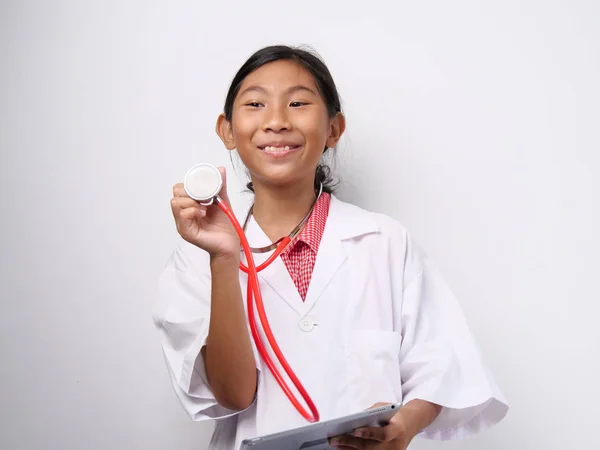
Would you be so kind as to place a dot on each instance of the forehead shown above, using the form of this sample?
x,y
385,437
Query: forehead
x,y
279,75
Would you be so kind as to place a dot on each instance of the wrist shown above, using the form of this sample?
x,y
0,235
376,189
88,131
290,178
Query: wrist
x,y
418,415
224,259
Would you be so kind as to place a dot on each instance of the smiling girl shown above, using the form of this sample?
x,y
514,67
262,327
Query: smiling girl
x,y
360,312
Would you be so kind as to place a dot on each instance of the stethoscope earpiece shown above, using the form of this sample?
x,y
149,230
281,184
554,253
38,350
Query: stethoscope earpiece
x,y
203,182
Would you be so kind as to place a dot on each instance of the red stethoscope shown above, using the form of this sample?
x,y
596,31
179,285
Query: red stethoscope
x,y
203,183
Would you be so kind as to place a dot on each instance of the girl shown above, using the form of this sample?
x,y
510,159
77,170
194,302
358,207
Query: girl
x,y
361,314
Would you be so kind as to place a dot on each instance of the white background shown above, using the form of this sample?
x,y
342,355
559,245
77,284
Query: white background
x,y
474,123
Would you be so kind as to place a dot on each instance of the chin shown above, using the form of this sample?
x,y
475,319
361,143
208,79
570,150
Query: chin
x,y
279,178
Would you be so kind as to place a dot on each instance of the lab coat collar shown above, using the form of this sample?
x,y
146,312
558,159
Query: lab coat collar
x,y
344,222
349,221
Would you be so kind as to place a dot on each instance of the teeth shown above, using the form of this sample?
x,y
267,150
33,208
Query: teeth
x,y
272,149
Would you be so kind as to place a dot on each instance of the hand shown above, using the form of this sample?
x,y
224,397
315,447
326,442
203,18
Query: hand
x,y
393,436
205,226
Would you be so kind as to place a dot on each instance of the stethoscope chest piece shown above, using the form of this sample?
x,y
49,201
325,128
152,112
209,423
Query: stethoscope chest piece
x,y
203,183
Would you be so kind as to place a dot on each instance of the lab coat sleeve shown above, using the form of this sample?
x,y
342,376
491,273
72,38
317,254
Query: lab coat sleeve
x,y
182,315
439,359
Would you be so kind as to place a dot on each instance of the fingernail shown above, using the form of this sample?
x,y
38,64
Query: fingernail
x,y
358,433
334,441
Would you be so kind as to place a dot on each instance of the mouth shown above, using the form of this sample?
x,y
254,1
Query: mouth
x,y
279,149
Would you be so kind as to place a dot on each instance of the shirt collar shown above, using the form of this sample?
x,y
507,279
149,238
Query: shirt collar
x,y
344,221
312,232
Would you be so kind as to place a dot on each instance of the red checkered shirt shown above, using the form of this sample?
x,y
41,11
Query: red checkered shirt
x,y
300,256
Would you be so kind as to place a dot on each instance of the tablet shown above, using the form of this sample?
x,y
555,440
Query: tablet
x,y
315,435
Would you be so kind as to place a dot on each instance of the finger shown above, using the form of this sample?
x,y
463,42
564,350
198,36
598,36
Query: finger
x,y
186,202
377,405
349,441
190,214
381,434
179,190
179,203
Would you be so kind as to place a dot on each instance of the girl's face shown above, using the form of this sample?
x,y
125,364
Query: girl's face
x,y
280,125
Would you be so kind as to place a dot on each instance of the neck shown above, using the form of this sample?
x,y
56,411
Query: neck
x,y
279,209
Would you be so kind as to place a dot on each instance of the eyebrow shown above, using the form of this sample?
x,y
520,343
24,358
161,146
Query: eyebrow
x,y
287,91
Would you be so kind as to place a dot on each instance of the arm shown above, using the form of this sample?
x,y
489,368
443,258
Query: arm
x,y
218,341
417,415
440,360
228,356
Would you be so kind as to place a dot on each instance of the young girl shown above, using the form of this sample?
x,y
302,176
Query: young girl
x,y
360,313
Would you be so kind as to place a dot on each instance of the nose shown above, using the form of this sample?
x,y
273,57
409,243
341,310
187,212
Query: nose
x,y
276,119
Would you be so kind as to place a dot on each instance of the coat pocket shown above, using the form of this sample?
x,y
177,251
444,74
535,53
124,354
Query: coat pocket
x,y
373,368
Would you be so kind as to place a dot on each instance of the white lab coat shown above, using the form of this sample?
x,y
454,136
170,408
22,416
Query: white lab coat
x,y
379,324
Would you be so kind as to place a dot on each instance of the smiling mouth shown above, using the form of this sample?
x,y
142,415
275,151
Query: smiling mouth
x,y
279,150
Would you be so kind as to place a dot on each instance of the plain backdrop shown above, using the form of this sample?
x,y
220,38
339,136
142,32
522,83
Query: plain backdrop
x,y
476,124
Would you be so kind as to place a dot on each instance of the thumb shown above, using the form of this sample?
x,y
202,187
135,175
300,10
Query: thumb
x,y
223,191
378,404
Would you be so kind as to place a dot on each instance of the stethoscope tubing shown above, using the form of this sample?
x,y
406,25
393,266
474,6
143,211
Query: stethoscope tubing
x,y
253,291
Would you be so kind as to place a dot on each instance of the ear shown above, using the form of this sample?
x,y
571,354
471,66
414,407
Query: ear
x,y
225,132
336,129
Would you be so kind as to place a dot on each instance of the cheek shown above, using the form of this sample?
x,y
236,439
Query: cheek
x,y
243,127
315,128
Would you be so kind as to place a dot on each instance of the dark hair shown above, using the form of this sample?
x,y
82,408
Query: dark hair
x,y
317,68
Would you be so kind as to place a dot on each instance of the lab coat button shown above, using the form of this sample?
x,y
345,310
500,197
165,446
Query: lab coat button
x,y
306,324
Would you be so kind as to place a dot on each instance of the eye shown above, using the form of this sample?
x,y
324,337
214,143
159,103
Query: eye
x,y
297,104
254,104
